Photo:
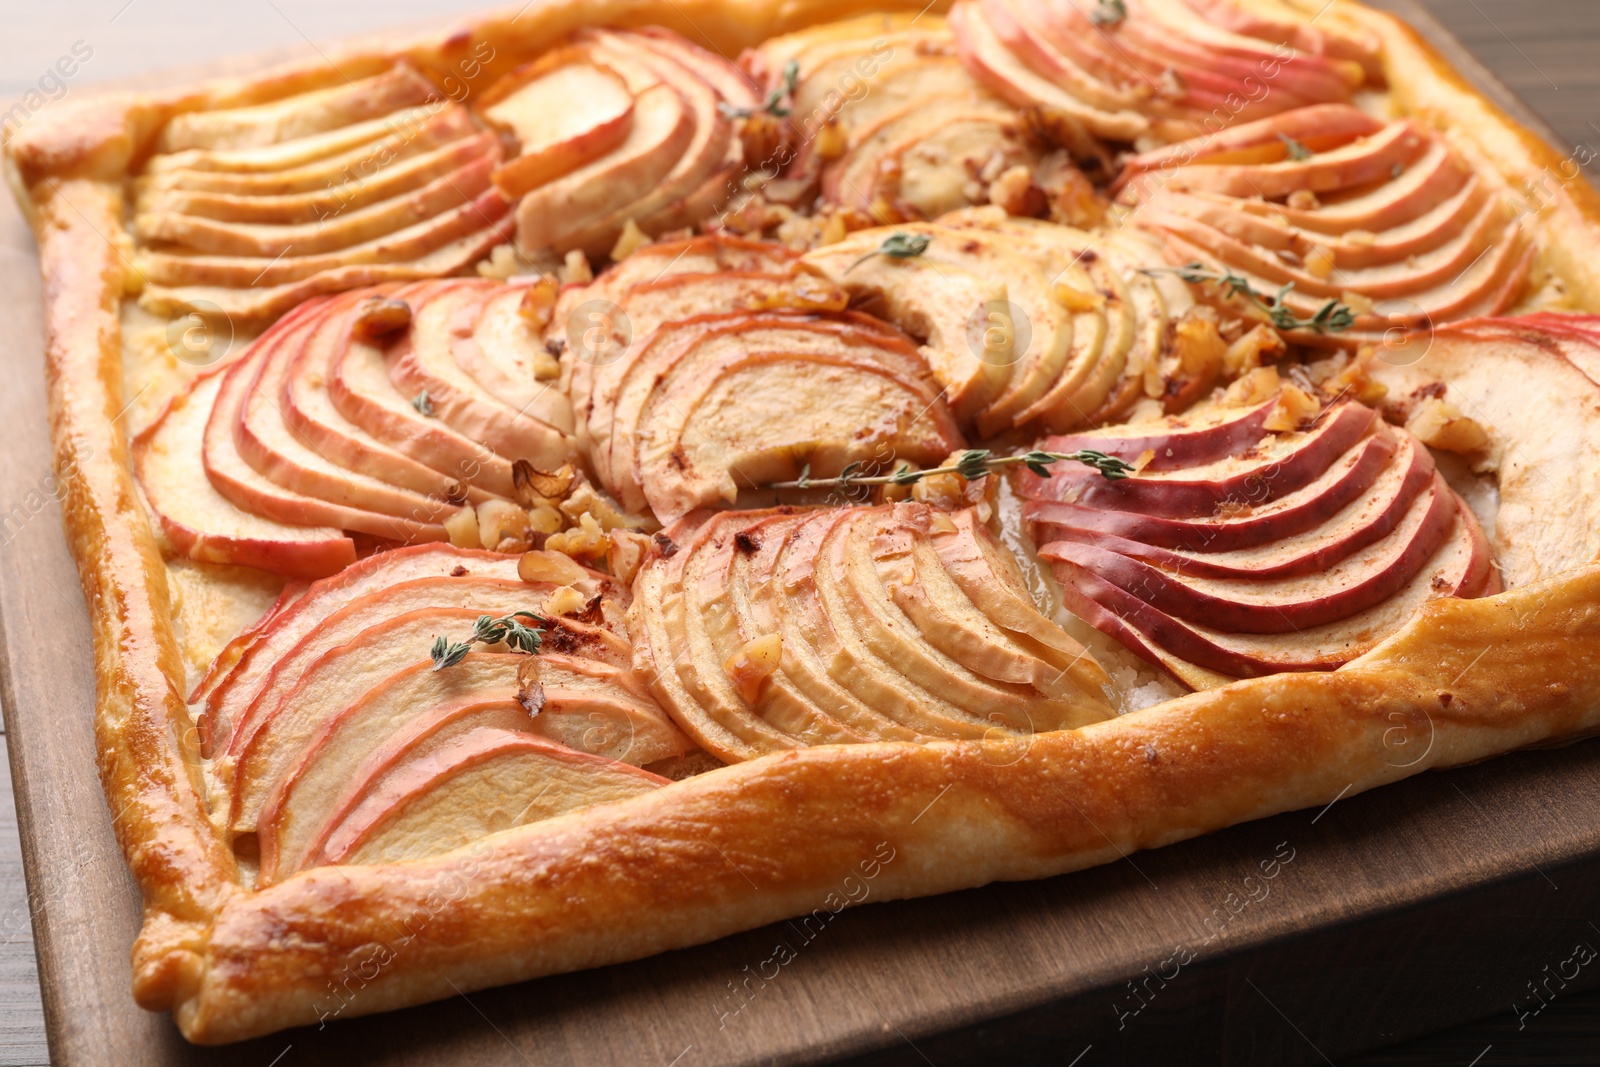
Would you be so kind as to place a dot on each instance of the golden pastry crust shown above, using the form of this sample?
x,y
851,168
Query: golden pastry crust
x,y
733,848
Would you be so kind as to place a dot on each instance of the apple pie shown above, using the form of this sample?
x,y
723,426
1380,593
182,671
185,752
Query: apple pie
x,y
583,482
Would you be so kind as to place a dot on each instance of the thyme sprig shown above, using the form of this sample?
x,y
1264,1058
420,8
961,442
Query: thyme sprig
x,y
1331,317
1297,151
423,403
774,104
491,631
1109,13
898,245
973,464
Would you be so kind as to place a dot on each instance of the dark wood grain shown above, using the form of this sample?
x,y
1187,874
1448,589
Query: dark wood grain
x,y
1421,905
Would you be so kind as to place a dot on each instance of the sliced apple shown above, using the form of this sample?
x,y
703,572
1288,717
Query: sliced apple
x,y
486,781
1164,68
1235,577
302,115
1530,383
1202,657
235,478
427,363
987,56
344,658
341,227
717,407
1400,220
991,297
319,192
565,110
266,442
663,128
234,691
362,390
204,525
504,352
309,413
317,164
586,705
182,208
878,636
707,174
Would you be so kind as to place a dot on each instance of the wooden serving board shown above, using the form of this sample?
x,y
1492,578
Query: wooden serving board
x,y
1295,940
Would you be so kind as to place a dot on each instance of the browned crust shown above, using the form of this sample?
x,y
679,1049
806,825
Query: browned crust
x,y
738,847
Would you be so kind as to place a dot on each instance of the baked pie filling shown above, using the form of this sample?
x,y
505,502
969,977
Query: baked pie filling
x,y
534,432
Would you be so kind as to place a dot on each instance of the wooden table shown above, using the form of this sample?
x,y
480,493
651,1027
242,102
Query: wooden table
x,y
1544,51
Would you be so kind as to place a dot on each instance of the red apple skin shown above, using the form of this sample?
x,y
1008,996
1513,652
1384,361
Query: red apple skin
x,y
473,413
209,541
235,479
1171,594
1254,481
264,440
1287,518
1168,643
472,749
1197,558
1179,447
370,573
309,412
1434,178
362,392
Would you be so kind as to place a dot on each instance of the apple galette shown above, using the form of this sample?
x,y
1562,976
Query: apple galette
x,y
648,470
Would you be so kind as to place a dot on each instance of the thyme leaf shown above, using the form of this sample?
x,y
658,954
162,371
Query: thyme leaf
x,y
511,629
1109,13
423,403
973,464
774,104
1297,151
898,245
1331,317
447,653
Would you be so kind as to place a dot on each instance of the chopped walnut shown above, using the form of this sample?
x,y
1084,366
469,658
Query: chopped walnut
x,y
584,501
503,263
1295,407
1199,352
1359,303
627,552
1304,200
551,568
1440,424
806,292
1320,262
534,486
462,528
1076,299
940,490
378,317
629,241
1252,349
1015,191
539,302
544,519
762,136
501,522
1253,388
564,600
1355,379
753,664
831,140
575,268
586,540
